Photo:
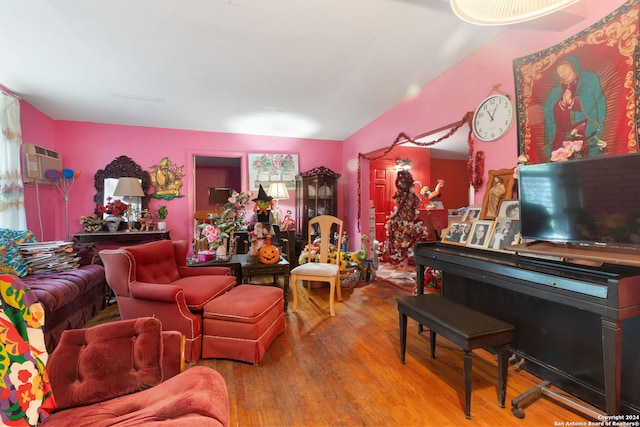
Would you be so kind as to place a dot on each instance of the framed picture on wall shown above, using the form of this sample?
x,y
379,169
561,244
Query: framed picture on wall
x,y
457,233
480,232
265,169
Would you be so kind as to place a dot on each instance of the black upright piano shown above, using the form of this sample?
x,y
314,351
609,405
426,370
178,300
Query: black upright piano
x,y
577,326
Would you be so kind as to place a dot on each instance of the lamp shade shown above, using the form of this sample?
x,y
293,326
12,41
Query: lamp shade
x,y
278,190
219,196
128,186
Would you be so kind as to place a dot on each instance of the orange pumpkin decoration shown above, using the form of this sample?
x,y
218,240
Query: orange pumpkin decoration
x,y
268,253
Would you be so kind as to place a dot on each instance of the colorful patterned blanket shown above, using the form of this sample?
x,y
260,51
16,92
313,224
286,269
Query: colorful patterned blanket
x,y
26,397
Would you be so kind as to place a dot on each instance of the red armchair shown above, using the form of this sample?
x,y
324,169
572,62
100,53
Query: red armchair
x,y
128,373
153,279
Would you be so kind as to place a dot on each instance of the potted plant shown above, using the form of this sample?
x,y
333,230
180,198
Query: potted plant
x,y
162,215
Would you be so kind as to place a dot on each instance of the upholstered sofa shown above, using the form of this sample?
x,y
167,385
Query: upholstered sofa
x,y
129,373
69,298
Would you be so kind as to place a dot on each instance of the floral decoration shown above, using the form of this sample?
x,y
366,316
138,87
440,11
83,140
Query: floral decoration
x,y
115,207
270,162
425,192
432,280
572,147
523,159
230,219
312,254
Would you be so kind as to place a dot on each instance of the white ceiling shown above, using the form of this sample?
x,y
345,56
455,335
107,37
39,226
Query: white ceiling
x,y
301,68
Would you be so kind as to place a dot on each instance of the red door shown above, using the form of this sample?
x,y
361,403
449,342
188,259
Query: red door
x,y
382,177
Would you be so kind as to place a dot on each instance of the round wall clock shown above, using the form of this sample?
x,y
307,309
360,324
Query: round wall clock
x,y
493,117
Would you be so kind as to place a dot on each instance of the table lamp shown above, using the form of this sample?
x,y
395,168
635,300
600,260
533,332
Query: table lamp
x,y
278,190
129,187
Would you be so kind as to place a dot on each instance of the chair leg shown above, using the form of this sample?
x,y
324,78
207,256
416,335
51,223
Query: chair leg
x,y
332,290
338,290
294,286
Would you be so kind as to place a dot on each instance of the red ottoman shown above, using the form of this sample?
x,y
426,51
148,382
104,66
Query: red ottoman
x,y
242,323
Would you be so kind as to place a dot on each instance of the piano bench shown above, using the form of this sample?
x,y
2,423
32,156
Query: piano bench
x,y
463,326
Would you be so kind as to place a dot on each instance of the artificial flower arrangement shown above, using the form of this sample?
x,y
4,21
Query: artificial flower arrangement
x,y
523,159
313,254
115,207
432,279
224,224
429,195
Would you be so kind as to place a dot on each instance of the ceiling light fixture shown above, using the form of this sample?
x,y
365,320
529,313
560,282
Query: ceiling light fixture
x,y
503,12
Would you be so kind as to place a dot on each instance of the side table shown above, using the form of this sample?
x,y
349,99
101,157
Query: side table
x,y
244,271
259,269
235,264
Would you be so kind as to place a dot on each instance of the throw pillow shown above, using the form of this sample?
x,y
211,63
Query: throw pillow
x,y
11,262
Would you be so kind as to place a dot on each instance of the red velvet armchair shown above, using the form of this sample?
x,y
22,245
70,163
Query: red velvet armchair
x,y
153,279
129,373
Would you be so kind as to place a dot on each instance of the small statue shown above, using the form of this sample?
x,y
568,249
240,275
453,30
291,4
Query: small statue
x,y
145,218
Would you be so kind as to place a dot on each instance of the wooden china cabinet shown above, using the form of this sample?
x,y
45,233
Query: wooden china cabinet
x,y
316,194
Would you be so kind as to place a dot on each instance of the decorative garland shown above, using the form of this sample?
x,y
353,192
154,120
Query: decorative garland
x,y
475,167
476,179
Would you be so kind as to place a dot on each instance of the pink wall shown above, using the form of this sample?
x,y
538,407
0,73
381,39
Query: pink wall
x,y
452,94
87,147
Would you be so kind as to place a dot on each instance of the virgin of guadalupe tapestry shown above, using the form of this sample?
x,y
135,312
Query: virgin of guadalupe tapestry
x,y
578,98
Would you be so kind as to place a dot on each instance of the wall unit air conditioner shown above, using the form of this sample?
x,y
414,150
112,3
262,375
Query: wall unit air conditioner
x,y
38,160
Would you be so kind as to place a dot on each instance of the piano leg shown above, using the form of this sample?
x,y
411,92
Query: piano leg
x,y
612,359
544,389
420,291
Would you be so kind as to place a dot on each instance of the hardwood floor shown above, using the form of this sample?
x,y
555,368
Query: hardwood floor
x,y
346,371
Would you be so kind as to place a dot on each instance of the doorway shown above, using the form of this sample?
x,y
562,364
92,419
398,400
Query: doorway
x,y
215,172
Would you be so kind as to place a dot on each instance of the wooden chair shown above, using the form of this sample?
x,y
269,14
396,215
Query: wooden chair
x,y
321,271
204,216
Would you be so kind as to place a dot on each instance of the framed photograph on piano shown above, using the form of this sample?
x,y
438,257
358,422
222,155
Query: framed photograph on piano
x,y
506,232
457,233
480,233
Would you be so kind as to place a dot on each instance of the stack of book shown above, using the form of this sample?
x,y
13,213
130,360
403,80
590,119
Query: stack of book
x,y
49,257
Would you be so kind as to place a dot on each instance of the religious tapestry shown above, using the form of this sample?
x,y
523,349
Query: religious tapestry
x,y
578,98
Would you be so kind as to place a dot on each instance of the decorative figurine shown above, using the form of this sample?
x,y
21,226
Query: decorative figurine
x,y
145,218
262,211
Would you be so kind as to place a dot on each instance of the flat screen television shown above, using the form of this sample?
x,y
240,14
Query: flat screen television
x,y
583,203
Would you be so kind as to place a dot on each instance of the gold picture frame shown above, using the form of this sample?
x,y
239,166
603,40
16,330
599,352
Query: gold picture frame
x,y
499,188
472,213
457,233
480,241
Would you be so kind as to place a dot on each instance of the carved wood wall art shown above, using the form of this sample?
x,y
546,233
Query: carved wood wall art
x,y
121,166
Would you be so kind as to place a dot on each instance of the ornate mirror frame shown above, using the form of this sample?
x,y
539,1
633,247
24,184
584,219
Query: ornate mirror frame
x,y
121,166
